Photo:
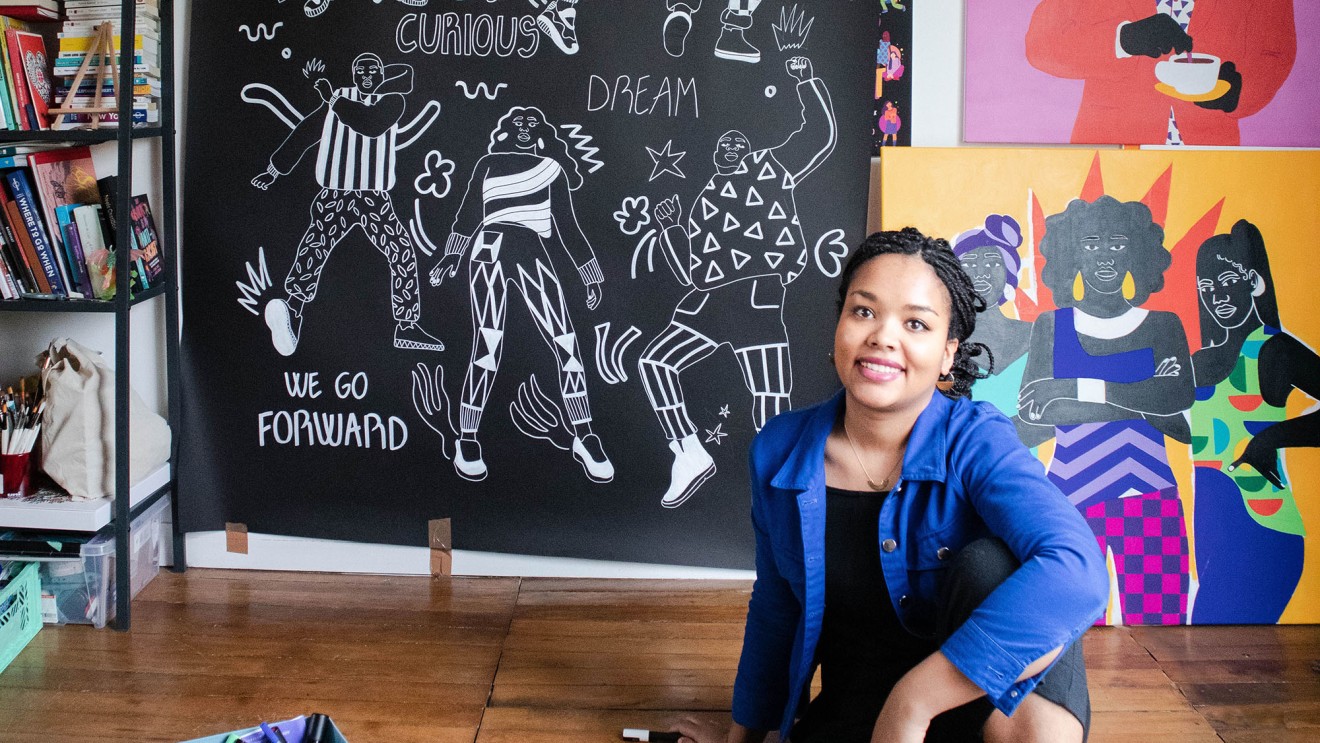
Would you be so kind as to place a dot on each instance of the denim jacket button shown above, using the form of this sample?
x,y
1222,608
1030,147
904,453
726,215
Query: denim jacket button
x,y
902,601
942,553
889,545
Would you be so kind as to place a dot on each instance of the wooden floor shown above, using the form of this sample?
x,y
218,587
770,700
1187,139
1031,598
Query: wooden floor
x,y
498,660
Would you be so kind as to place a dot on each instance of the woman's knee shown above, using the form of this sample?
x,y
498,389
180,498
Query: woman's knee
x,y
974,573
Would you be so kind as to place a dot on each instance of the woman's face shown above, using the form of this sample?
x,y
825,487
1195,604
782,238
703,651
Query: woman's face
x,y
1104,260
1226,293
892,341
985,267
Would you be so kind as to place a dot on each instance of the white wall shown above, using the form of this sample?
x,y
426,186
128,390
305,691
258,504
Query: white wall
x,y
936,120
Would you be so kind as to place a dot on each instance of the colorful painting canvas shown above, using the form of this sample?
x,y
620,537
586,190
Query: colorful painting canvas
x,y
1143,72
1154,342
891,125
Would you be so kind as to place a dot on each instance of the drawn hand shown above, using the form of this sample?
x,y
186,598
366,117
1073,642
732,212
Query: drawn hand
x,y
1154,36
264,180
1228,102
593,296
668,212
1262,457
1036,396
324,87
448,266
1169,368
799,68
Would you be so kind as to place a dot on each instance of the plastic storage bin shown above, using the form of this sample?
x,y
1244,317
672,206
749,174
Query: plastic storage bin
x,y
20,613
82,590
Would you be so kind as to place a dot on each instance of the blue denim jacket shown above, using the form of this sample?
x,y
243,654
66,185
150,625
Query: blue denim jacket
x,y
965,476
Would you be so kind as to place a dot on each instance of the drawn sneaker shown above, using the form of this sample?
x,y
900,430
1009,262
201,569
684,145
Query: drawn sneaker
x,y
733,43
591,455
677,26
284,323
692,466
313,8
559,22
410,337
467,460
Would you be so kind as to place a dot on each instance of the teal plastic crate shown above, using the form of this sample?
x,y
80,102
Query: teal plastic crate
x,y
20,618
253,733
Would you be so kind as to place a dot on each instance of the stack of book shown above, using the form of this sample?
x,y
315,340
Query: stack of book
x,y
82,18
57,227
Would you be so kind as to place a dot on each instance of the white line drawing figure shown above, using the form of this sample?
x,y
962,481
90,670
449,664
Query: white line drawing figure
x,y
258,282
313,8
519,202
792,30
558,21
355,141
735,21
262,31
480,89
665,161
734,252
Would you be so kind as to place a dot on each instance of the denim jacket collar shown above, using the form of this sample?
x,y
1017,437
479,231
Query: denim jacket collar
x,y
924,460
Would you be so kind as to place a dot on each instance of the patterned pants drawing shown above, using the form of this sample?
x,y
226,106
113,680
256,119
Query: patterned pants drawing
x,y
1148,537
746,316
334,215
504,256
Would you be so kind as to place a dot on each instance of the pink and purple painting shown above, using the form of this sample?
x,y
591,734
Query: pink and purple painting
x,y
1143,72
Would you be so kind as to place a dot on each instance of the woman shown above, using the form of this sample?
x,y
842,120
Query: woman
x,y
1249,533
1108,380
989,257
981,576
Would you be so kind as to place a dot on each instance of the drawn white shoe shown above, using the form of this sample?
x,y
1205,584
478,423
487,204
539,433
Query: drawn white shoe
x,y
677,26
467,460
692,467
284,325
313,8
591,455
733,43
410,337
560,24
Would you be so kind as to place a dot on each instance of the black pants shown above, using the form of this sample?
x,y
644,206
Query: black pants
x,y
976,571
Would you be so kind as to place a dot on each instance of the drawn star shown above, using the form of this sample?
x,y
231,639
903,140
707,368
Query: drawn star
x,y
724,412
716,436
666,161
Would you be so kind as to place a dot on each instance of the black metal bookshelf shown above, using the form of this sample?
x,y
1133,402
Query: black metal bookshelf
x,y
124,136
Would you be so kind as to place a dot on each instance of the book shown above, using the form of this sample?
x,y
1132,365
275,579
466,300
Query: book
x,y
73,248
146,239
15,110
14,219
100,259
109,188
13,252
63,177
14,72
32,10
32,52
20,187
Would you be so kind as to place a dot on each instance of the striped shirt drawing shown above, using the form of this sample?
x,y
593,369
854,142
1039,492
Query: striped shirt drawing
x,y
349,161
522,198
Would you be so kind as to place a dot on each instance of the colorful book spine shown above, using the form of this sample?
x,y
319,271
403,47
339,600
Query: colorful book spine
x,y
27,209
73,247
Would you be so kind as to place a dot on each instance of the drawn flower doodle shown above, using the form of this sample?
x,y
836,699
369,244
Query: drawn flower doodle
x,y
633,215
435,180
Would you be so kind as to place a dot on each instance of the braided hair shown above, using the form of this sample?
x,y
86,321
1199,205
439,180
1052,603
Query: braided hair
x,y
964,300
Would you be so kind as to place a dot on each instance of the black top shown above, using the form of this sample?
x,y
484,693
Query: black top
x,y
862,644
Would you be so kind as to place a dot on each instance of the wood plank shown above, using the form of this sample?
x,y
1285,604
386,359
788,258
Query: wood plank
x,y
522,724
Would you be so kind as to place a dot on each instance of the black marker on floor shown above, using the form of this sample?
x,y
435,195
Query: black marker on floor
x,y
650,735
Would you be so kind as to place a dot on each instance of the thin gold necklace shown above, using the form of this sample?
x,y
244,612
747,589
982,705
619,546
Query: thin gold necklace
x,y
869,481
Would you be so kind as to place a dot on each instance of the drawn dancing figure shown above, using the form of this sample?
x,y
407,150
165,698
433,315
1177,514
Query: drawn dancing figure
x,y
740,248
518,202
355,142
734,24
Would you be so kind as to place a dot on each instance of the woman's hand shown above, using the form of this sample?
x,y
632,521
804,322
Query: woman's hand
x,y
695,730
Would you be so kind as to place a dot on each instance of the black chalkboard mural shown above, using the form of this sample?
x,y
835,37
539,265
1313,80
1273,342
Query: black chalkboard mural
x,y
543,268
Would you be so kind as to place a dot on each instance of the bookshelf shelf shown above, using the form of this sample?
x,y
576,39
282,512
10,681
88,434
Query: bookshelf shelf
x,y
119,509
79,136
77,305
